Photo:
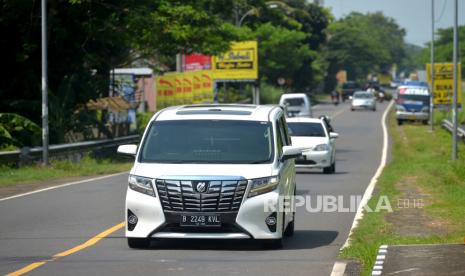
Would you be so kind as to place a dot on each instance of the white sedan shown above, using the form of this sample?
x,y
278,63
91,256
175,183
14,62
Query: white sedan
x,y
363,100
320,147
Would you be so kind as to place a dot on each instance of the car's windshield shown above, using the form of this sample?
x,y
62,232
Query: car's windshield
x,y
208,141
407,98
306,129
363,95
294,101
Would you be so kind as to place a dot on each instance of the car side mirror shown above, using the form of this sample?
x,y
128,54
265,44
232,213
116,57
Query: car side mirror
x,y
290,152
127,150
333,135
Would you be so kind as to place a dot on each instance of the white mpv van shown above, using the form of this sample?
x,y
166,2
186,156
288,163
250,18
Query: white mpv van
x,y
212,172
296,105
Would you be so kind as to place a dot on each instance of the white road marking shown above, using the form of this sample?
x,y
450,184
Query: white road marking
x,y
61,186
368,192
338,269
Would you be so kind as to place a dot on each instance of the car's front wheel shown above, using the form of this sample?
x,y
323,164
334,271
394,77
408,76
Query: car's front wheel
x,y
330,169
289,232
138,243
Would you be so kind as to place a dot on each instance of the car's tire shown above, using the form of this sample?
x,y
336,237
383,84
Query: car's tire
x,y
138,243
290,229
399,122
425,122
331,169
272,244
352,109
374,109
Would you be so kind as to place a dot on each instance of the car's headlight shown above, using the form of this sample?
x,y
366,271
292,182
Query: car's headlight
x,y
263,185
322,147
425,109
400,108
141,184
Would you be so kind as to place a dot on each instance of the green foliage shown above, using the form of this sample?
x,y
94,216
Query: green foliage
x,y
142,121
86,40
364,43
17,131
281,52
269,94
444,47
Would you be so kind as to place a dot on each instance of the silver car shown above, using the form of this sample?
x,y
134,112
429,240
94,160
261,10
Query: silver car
x,y
363,100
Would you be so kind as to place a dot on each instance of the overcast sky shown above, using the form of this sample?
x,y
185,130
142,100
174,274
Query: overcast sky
x,y
412,15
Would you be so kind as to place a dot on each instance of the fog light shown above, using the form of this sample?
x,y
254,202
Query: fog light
x,y
271,221
132,220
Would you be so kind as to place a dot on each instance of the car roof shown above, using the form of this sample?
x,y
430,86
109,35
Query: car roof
x,y
413,90
246,112
303,120
293,95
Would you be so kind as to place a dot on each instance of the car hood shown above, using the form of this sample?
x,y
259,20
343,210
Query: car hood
x,y
222,171
308,142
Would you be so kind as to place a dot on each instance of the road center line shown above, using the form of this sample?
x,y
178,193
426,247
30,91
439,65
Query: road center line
x,y
92,241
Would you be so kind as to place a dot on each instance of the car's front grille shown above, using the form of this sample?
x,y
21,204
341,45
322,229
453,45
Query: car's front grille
x,y
219,196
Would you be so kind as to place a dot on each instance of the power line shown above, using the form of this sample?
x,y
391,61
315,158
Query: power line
x,y
442,11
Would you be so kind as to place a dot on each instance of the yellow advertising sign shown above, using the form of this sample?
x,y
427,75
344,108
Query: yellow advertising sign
x,y
207,86
187,88
239,63
444,83
165,91
197,87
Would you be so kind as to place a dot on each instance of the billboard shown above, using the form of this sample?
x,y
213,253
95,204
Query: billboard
x,y
196,62
240,63
184,88
444,83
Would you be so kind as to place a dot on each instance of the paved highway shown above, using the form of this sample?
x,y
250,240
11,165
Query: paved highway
x,y
35,228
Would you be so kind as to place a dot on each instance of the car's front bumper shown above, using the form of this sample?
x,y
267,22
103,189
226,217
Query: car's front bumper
x,y
314,159
363,106
412,116
248,222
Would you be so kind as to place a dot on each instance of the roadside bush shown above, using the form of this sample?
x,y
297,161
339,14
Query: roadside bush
x,y
142,120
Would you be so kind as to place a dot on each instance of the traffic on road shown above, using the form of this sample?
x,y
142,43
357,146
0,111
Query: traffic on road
x,y
240,137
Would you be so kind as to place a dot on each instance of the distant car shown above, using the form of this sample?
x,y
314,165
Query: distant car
x,y
348,89
363,100
296,105
317,142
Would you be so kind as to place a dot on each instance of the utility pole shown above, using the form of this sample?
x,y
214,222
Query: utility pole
x,y
45,135
454,103
431,111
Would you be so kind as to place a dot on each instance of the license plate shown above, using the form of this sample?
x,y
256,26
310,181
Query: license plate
x,y
412,117
200,220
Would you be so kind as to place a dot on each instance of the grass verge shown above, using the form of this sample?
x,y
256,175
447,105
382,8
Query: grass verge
x,y
426,191
60,169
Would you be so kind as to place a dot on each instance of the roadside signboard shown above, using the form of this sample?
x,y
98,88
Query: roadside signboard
x,y
187,88
207,86
444,83
238,64
196,62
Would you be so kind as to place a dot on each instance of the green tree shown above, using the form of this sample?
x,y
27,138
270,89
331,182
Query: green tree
x,y
363,43
87,38
444,47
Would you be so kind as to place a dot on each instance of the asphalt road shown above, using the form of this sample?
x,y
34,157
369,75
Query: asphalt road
x,y
36,227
